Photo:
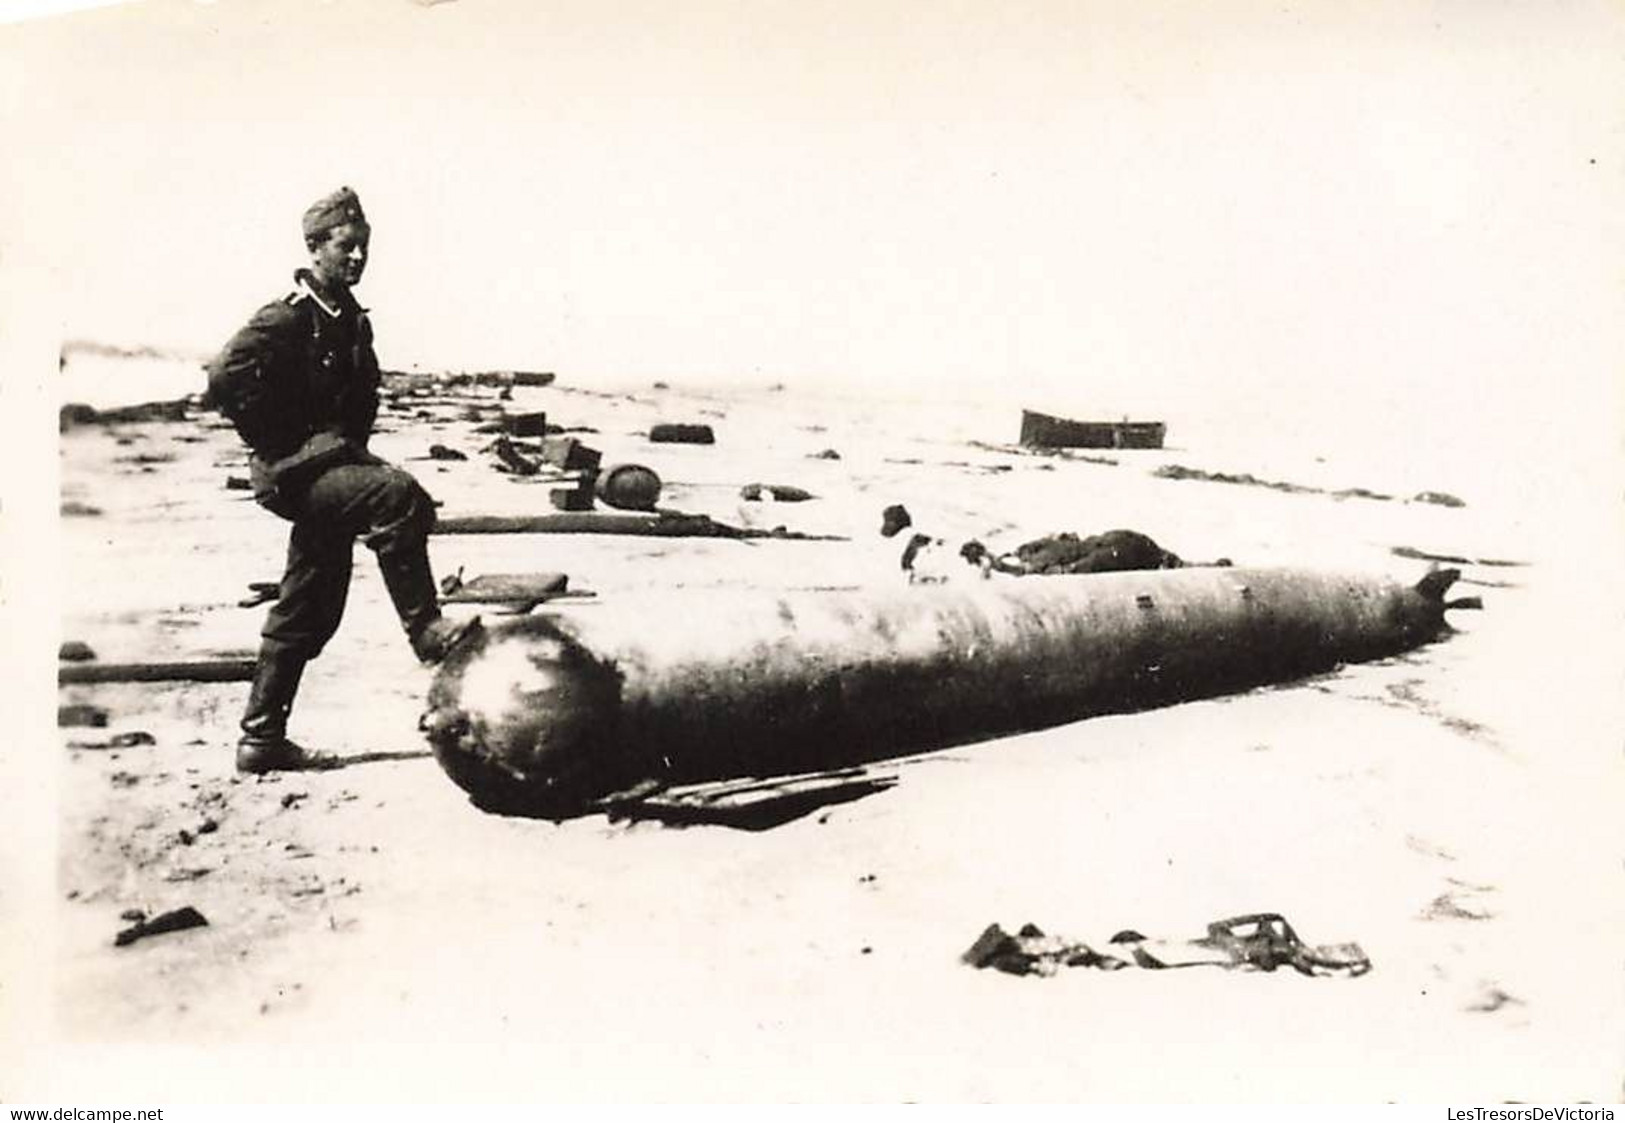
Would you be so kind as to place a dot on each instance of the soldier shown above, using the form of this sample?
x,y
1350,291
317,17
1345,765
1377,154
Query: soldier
x,y
300,384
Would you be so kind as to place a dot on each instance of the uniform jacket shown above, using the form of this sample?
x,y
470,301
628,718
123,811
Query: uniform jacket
x,y
300,384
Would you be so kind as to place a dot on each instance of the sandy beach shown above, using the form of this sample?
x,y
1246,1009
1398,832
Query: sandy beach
x,y
370,932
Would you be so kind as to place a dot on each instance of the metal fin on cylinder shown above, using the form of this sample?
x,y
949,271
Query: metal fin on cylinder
x,y
1437,582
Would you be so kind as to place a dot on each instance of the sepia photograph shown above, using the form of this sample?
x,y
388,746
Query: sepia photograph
x,y
807,551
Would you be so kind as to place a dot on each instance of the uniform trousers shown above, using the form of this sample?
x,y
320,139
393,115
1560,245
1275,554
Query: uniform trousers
x,y
380,504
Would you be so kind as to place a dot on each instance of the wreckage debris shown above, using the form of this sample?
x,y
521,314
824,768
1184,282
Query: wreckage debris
x,y
577,498
215,670
1180,472
563,708
1255,942
134,738
629,487
752,805
1449,559
75,651
570,454
239,483
1041,430
516,589
511,460
78,413
1439,498
825,454
894,519
681,434
1110,551
525,424
1031,952
74,414
74,509
176,920
81,715
779,493
664,524
441,452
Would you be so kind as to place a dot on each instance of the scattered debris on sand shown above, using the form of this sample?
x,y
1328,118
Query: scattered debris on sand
x,y
1255,942
1450,559
663,524
1109,551
510,459
1438,498
176,920
754,804
1247,479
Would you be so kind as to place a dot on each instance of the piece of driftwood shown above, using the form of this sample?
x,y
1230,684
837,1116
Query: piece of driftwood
x,y
213,670
655,525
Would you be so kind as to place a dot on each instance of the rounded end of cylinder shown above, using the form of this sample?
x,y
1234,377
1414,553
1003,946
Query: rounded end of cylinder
x,y
523,719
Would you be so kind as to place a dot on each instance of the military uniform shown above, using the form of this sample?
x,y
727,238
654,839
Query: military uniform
x,y
300,384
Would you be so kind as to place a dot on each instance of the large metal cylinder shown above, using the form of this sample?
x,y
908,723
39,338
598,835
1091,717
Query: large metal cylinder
x,y
552,710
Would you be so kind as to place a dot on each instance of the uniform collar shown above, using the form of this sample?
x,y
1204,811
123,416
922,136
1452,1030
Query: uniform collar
x,y
302,283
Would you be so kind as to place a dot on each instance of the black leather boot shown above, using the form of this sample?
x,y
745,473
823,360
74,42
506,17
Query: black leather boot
x,y
417,603
264,745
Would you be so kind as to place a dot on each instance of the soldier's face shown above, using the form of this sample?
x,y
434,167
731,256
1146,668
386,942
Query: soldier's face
x,y
340,260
